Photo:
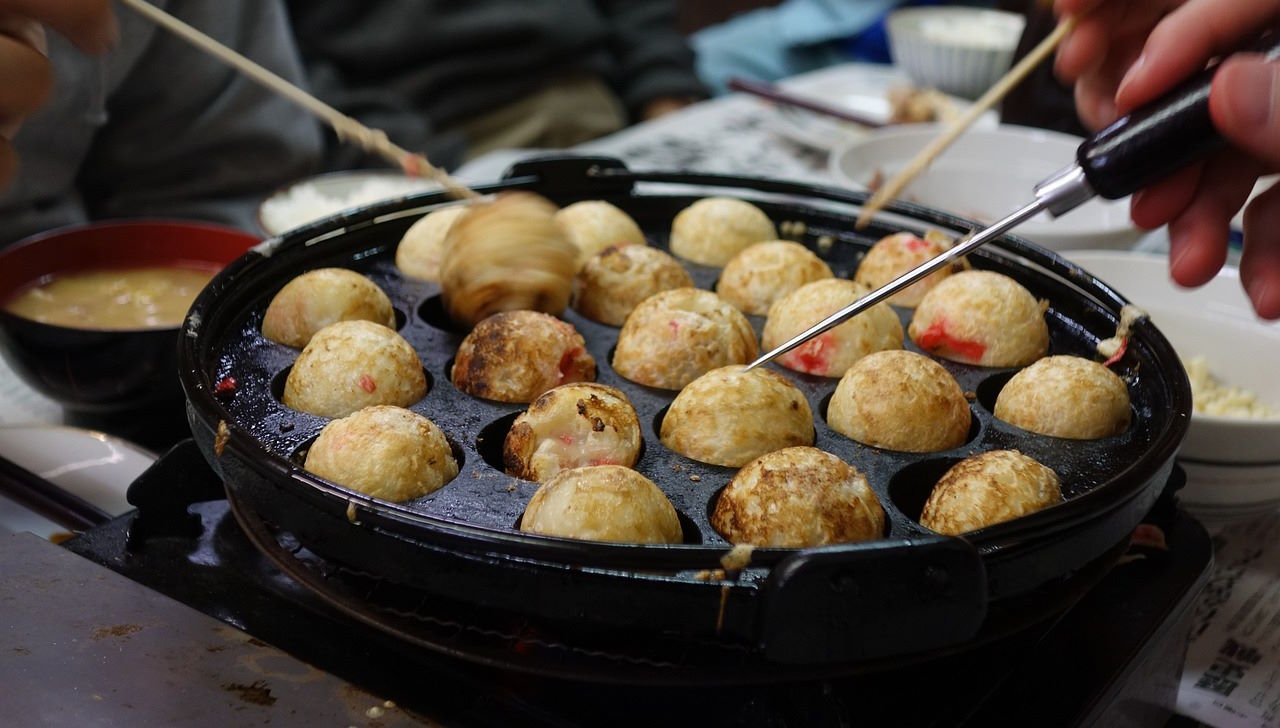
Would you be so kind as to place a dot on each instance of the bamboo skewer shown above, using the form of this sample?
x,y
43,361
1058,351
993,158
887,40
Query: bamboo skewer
x,y
925,156
347,128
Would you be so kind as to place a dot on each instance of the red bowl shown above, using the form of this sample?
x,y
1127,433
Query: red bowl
x,y
95,371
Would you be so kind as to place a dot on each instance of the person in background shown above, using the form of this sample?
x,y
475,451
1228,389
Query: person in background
x,y
457,79
151,127
1123,55
796,36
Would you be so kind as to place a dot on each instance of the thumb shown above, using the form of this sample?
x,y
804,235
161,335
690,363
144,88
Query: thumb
x,y
1245,105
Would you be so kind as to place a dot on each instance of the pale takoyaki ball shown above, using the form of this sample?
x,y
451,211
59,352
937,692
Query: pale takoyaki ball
x,y
732,415
764,272
714,229
351,365
981,317
618,278
900,400
506,255
795,498
421,248
896,254
675,336
572,426
514,356
830,353
602,503
989,488
1066,396
320,297
593,225
385,452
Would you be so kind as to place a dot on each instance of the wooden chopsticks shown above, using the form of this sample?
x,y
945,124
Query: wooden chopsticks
x,y
347,128
925,156
777,95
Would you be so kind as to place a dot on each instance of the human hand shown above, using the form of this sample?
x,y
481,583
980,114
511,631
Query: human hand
x,y
26,78
1126,53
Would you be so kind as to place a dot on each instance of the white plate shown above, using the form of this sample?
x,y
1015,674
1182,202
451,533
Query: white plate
x,y
94,466
860,88
316,198
985,174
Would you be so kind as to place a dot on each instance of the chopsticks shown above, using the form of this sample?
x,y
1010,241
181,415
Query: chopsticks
x,y
64,508
925,156
347,128
774,93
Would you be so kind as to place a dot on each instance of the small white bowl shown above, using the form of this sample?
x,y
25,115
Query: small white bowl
x,y
986,174
321,196
957,50
1232,463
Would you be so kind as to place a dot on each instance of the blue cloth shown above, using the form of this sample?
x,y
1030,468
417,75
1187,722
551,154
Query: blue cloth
x,y
794,37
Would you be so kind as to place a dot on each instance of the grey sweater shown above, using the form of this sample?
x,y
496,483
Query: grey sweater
x,y
182,136
415,68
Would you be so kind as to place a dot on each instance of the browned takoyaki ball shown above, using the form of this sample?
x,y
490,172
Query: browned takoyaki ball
x,y
386,452
795,498
614,281
830,353
764,272
350,365
602,503
421,249
732,415
674,336
714,229
571,426
506,255
514,356
989,488
981,317
900,400
896,254
320,297
1066,396
593,225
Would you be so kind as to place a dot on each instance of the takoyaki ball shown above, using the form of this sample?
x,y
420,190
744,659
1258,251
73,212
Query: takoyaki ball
x,y
506,255
385,452
421,249
989,488
351,365
514,356
675,336
572,426
896,254
795,498
900,400
1066,396
618,278
830,353
602,503
764,272
981,317
593,225
732,415
320,297
714,229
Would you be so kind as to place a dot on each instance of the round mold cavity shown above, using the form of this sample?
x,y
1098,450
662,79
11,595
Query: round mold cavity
x,y
491,440
401,318
910,487
432,312
988,390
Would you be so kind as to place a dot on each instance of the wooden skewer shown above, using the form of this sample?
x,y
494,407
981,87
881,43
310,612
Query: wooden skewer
x,y
347,128
925,156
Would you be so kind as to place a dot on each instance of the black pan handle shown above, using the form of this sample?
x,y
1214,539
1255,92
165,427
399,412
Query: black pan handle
x,y
1160,138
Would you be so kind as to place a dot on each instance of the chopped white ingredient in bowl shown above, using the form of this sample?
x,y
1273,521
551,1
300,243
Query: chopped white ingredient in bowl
x,y
1211,397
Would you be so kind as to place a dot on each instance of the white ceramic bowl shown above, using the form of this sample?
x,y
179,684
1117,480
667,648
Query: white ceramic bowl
x,y
1232,464
957,50
986,174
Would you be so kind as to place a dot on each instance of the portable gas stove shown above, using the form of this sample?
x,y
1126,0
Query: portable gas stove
x,y
128,645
